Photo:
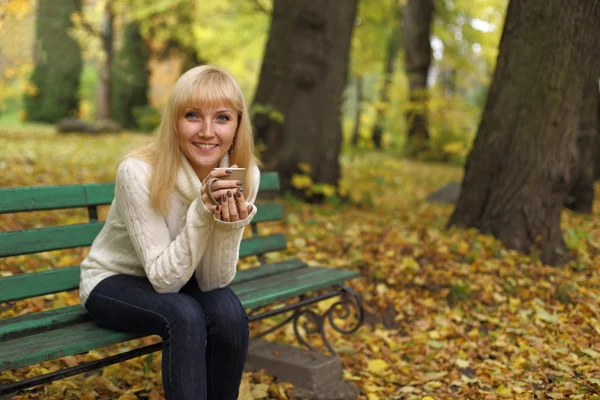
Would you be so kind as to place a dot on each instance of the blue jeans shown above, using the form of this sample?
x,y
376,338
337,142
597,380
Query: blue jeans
x,y
205,334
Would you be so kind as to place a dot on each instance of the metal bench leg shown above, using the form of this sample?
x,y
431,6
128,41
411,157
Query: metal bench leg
x,y
314,321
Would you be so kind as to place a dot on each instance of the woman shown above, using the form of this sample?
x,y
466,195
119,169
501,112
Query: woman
x,y
164,258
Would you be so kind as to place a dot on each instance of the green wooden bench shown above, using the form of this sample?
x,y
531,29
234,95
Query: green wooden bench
x,y
32,338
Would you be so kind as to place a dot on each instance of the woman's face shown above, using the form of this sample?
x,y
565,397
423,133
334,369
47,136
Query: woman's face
x,y
205,135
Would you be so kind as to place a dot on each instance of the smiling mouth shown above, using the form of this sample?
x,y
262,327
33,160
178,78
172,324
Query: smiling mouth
x,y
205,146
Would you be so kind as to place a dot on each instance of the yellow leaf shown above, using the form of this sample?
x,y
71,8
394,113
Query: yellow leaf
x,y
260,391
245,392
460,363
503,391
377,366
428,398
301,181
304,167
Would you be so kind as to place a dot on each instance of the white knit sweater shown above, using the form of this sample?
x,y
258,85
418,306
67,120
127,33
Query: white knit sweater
x,y
136,240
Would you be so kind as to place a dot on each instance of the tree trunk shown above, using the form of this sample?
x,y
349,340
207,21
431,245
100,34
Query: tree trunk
x,y
417,29
518,173
104,109
391,55
131,76
597,149
581,196
357,114
58,64
298,100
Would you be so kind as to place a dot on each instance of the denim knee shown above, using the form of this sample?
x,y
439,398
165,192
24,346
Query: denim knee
x,y
186,315
229,321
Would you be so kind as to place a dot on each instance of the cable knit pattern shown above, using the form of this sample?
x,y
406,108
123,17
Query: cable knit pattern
x,y
168,250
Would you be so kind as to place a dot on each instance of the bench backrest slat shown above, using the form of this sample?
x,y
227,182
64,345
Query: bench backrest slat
x,y
36,198
79,235
46,239
54,197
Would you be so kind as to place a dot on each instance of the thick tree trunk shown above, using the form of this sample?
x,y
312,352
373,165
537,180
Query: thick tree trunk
x,y
391,55
104,109
597,149
417,29
519,171
358,113
298,100
581,195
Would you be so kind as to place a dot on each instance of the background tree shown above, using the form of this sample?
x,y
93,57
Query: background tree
x,y
417,31
58,64
358,113
394,44
102,29
131,76
518,173
299,95
172,27
581,195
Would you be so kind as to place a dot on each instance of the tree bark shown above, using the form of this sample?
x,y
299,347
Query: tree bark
x,y
519,171
417,29
581,195
597,149
358,113
104,109
391,55
298,100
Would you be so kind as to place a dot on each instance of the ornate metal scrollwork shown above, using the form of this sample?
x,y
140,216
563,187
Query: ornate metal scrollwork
x,y
314,322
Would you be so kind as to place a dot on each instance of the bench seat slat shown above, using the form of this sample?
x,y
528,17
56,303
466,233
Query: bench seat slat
x,y
37,198
11,328
85,335
66,341
282,287
29,324
267,270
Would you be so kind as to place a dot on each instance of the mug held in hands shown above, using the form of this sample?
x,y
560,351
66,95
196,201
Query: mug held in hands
x,y
237,174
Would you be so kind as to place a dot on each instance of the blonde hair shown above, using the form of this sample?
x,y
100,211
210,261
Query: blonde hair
x,y
204,86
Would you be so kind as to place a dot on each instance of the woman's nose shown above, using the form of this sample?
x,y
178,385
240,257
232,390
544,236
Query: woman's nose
x,y
206,128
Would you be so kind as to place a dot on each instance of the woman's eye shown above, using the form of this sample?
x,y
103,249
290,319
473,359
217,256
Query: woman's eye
x,y
223,118
191,115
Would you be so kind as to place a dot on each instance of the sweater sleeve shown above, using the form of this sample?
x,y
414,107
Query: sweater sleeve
x,y
168,264
220,262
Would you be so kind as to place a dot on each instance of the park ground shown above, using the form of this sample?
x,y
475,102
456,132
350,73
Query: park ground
x,y
452,313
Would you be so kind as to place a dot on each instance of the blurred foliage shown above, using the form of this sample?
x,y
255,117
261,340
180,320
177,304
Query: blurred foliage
x,y
465,40
147,118
452,314
229,33
16,51
130,78
232,33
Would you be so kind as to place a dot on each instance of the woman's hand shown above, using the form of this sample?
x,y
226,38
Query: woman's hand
x,y
214,188
233,206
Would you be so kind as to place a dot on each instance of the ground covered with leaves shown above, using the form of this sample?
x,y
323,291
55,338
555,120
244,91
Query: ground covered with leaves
x,y
452,314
